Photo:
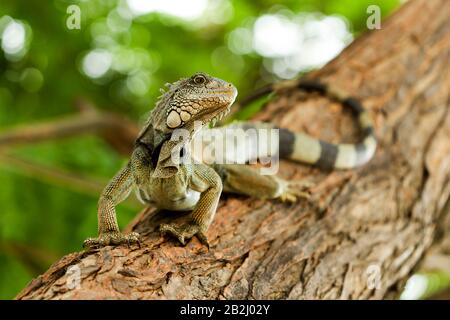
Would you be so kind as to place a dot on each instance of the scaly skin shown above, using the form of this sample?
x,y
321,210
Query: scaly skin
x,y
167,184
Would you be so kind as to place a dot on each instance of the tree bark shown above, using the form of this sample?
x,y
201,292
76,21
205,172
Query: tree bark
x,y
363,232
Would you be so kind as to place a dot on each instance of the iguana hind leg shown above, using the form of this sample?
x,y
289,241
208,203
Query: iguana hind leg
x,y
243,179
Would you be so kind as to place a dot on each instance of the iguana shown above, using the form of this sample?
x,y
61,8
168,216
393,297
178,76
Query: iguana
x,y
166,184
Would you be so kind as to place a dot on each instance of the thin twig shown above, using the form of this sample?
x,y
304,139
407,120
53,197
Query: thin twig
x,y
117,130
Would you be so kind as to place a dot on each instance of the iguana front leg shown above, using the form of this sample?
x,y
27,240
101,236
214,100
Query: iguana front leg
x,y
108,230
205,180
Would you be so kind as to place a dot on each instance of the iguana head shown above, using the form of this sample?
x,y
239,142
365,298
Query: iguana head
x,y
198,98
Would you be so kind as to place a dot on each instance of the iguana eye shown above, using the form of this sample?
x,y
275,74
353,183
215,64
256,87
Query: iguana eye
x,y
199,79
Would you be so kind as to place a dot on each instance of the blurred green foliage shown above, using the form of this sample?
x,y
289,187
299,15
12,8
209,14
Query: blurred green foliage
x,y
41,221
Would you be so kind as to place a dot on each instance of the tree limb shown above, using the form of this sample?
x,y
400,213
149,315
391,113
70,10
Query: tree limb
x,y
115,129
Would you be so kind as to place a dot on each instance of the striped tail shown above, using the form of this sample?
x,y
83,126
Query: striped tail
x,y
306,149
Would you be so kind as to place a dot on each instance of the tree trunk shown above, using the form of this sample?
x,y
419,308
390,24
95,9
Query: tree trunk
x,y
363,232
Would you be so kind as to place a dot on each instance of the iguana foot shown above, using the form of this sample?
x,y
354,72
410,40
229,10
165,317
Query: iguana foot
x,y
184,232
294,190
111,239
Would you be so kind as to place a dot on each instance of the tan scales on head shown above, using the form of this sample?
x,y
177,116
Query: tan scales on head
x,y
198,98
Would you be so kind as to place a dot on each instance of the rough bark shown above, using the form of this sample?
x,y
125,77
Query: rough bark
x,y
373,223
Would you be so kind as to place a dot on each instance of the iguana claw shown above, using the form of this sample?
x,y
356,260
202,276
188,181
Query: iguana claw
x,y
111,238
294,190
184,232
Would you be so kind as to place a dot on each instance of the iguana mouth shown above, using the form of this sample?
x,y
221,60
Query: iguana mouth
x,y
226,92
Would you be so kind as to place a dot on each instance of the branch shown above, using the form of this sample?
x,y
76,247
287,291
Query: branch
x,y
117,130
53,175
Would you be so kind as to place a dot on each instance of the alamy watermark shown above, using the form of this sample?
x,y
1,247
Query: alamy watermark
x,y
374,19
73,21
73,274
373,277
228,145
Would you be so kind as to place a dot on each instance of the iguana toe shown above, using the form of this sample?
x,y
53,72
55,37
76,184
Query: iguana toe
x,y
184,232
111,238
294,190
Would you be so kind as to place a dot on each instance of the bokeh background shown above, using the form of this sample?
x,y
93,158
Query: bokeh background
x,y
123,53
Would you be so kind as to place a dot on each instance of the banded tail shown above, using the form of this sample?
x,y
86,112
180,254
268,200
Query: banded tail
x,y
306,149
